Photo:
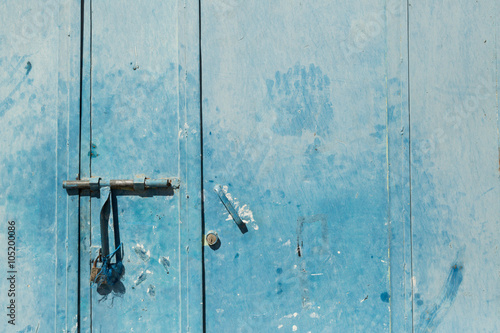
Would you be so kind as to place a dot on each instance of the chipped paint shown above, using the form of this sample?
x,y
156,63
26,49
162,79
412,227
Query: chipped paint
x,y
151,290
141,252
297,122
165,262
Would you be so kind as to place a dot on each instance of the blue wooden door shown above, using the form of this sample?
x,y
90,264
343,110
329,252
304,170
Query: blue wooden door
x,y
140,116
298,113
343,155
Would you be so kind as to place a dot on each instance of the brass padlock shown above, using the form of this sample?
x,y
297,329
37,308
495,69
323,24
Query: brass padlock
x,y
94,273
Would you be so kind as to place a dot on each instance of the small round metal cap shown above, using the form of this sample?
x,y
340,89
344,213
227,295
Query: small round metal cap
x,y
212,238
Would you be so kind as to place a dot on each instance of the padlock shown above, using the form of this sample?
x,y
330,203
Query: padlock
x,y
94,273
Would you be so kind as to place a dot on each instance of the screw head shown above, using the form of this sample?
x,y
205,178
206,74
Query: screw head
x,y
212,238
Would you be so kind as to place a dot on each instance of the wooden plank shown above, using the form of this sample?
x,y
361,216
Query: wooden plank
x,y
39,79
190,194
85,255
399,166
68,150
455,171
145,120
303,106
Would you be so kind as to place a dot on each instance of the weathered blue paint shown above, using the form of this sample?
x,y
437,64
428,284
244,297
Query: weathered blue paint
x,y
455,179
140,124
399,297
230,208
85,146
297,127
435,312
357,144
39,102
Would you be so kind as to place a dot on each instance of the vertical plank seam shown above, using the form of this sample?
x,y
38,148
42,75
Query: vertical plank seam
x,y
496,81
202,207
82,29
180,164
56,245
409,157
389,235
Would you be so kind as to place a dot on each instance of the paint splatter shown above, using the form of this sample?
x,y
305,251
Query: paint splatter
x,y
385,297
434,313
142,277
165,262
28,67
243,211
142,253
314,315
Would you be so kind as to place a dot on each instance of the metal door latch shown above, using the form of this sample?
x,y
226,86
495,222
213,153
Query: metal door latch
x,y
139,183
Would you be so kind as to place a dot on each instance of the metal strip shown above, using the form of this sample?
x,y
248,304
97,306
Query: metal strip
x,y
230,208
119,184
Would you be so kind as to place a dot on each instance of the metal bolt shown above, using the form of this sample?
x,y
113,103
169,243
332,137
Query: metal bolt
x,y
212,238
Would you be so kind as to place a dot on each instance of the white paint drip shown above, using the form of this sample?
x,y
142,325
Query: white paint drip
x,y
244,212
314,315
281,326
294,328
287,243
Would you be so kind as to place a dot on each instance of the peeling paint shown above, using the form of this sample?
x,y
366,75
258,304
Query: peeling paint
x,y
151,290
165,262
142,253
142,277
